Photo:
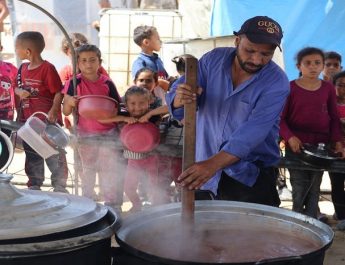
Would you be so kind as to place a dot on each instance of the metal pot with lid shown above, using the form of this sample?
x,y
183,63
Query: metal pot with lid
x,y
51,228
319,155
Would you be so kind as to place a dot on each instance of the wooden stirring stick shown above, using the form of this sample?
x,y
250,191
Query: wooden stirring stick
x,y
187,196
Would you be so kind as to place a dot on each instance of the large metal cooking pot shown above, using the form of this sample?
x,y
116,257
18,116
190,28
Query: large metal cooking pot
x,y
43,228
223,232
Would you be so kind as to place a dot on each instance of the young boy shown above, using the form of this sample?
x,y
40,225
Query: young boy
x,y
8,73
147,38
332,65
39,89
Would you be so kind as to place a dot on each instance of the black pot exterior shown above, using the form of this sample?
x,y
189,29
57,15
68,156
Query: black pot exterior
x,y
122,257
99,253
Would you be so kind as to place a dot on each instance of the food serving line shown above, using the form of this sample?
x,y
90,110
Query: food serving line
x,y
189,232
47,228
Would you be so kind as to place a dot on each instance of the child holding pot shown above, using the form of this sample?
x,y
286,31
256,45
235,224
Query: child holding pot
x,y
310,116
96,147
140,138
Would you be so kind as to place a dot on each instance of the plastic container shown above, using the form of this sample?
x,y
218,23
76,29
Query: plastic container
x,y
31,132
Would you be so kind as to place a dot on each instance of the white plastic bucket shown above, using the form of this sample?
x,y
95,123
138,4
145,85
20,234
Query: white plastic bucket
x,y
31,131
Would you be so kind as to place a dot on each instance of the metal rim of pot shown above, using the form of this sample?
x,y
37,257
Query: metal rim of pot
x,y
141,219
35,222
6,153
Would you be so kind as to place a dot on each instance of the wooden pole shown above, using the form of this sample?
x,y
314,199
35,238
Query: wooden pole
x,y
187,196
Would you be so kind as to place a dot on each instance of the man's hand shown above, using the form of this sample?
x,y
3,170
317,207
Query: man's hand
x,y
184,95
199,173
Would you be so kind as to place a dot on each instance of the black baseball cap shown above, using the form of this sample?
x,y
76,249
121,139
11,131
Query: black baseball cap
x,y
262,29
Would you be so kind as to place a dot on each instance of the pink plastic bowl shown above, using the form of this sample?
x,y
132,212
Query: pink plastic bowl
x,y
97,107
140,137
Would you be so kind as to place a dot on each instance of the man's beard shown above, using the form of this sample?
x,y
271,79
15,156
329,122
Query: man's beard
x,y
244,65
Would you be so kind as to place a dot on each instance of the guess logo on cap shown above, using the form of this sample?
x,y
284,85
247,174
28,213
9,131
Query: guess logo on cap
x,y
269,26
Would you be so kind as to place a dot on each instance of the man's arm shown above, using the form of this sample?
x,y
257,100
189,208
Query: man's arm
x,y
200,172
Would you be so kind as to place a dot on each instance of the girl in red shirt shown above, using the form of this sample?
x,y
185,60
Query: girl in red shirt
x,y
97,150
310,116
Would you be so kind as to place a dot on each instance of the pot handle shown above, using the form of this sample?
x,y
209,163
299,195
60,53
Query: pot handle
x,y
39,112
35,113
279,260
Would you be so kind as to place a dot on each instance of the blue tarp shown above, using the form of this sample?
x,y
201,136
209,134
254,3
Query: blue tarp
x,y
318,23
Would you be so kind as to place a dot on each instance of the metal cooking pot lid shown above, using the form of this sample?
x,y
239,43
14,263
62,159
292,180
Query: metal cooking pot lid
x,y
29,213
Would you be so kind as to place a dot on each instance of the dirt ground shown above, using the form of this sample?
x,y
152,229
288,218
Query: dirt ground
x,y
335,255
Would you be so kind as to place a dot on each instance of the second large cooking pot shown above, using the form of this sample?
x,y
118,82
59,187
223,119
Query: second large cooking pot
x,y
223,232
48,228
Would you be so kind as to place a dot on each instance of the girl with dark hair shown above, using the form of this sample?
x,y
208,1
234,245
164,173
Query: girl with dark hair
x,y
310,116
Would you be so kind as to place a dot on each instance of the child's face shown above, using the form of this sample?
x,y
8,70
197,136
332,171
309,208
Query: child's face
x,y
137,105
311,66
21,52
154,43
332,66
146,80
340,87
88,63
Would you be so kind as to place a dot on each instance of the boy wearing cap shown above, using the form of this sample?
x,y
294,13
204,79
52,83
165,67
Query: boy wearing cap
x,y
243,93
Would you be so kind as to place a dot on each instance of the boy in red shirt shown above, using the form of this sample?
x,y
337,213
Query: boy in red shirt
x,y
39,89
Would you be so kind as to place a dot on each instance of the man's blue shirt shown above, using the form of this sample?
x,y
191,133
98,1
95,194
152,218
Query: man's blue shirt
x,y
242,121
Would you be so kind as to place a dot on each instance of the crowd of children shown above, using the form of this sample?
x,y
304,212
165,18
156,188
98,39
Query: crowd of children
x,y
37,86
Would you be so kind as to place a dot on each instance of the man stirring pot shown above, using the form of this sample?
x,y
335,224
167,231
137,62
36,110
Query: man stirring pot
x,y
242,92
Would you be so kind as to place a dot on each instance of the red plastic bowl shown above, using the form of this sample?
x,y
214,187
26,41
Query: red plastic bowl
x,y
140,137
97,107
